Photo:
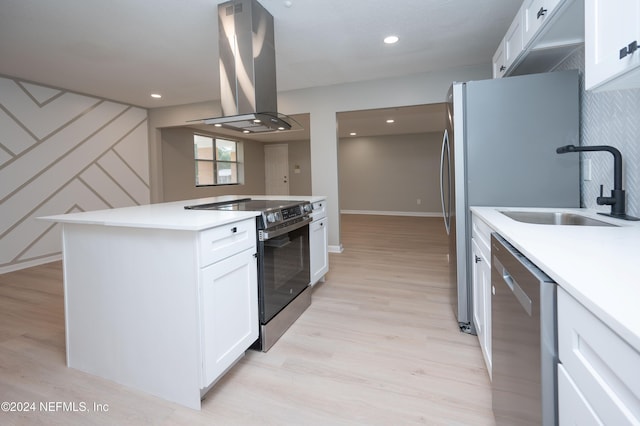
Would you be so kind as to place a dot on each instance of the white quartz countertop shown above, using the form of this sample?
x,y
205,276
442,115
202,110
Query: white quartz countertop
x,y
171,215
598,265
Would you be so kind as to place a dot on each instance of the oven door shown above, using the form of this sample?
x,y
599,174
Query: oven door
x,y
283,270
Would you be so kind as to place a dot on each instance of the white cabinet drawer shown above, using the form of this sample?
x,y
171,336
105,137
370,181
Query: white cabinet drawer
x,y
602,365
223,241
319,210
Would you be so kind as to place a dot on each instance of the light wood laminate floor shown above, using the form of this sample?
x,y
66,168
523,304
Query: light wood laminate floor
x,y
378,346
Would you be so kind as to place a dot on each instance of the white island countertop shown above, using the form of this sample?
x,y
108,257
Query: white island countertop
x,y
597,265
171,215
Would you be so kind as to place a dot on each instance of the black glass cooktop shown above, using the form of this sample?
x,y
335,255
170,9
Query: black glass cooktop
x,y
246,204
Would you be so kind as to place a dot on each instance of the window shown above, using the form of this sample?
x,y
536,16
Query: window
x,y
216,161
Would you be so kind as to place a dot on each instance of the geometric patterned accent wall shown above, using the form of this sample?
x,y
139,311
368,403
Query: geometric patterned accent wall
x,y
609,118
63,152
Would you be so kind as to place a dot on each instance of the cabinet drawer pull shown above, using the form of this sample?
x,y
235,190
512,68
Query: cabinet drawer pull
x,y
234,230
628,50
541,12
478,259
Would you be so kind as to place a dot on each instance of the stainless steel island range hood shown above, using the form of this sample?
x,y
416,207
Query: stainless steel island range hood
x,y
248,94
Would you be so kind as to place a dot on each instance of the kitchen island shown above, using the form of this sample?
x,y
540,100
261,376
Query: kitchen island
x,y
160,298
597,269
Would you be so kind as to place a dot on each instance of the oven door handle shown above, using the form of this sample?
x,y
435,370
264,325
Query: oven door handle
x,y
264,235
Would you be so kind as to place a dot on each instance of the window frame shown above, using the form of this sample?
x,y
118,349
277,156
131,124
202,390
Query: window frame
x,y
215,161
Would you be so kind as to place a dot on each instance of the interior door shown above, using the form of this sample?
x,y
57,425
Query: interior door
x,y
276,169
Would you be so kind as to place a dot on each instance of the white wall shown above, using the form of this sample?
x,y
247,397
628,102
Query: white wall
x,y
609,118
63,152
323,103
388,174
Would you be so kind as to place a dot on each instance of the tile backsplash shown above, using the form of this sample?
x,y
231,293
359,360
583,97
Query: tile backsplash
x,y
608,118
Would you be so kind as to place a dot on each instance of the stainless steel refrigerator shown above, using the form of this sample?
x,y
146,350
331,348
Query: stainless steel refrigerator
x,y
499,149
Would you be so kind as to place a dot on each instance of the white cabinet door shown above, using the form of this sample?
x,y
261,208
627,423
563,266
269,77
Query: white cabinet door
x,y
478,299
535,14
318,240
481,286
499,64
573,407
486,294
603,367
612,32
229,312
510,47
514,40
481,283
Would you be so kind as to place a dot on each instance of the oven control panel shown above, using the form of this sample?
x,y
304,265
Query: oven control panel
x,y
286,214
291,212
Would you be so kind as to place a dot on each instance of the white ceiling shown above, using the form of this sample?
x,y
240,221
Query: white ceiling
x,y
127,49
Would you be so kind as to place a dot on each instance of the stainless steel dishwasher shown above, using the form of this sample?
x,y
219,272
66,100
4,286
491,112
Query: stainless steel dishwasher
x,y
524,341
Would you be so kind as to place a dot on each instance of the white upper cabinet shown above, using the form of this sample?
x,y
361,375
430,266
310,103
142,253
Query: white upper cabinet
x,y
535,14
611,41
514,40
510,47
499,65
542,34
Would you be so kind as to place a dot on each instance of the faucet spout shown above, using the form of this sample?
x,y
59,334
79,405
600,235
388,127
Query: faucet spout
x,y
617,159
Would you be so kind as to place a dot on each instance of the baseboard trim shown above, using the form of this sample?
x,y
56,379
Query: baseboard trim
x,y
30,263
392,213
335,249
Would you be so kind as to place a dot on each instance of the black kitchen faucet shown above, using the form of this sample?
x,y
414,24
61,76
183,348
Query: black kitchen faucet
x,y
617,198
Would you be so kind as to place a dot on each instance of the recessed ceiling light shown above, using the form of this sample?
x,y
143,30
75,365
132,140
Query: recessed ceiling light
x,y
217,125
245,131
280,128
391,39
352,134
156,95
257,121
391,120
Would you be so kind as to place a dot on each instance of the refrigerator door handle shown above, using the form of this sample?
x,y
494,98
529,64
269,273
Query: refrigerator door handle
x,y
445,148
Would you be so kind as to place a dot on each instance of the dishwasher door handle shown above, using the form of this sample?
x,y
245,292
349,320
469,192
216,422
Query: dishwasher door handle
x,y
515,288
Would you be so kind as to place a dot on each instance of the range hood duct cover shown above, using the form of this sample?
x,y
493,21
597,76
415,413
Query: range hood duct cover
x,y
248,93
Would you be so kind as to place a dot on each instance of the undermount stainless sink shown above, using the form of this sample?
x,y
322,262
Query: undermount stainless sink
x,y
554,218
